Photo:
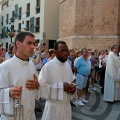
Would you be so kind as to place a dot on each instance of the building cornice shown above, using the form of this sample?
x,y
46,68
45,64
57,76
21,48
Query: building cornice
x,y
90,37
61,1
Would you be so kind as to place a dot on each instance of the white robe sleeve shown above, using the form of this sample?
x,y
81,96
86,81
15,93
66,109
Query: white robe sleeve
x,y
119,74
6,102
112,68
50,91
37,93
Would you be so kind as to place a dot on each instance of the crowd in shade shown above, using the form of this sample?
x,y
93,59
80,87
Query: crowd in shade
x,y
59,73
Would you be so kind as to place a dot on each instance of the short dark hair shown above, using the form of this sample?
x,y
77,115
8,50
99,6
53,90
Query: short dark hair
x,y
57,43
82,50
37,41
11,48
113,47
21,36
95,50
51,51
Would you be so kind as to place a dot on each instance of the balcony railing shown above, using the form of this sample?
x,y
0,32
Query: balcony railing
x,y
12,19
37,28
19,16
26,29
27,13
7,21
37,9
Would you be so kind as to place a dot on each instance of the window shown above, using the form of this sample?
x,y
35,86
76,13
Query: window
x,y
7,30
7,17
37,6
12,28
28,10
16,12
2,6
20,12
19,27
12,13
37,27
2,21
2,34
28,6
37,2
12,18
27,25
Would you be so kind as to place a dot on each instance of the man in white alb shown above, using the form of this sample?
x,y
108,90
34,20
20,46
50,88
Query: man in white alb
x,y
112,81
18,79
56,85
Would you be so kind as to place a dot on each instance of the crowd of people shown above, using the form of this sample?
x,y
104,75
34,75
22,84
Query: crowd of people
x,y
29,72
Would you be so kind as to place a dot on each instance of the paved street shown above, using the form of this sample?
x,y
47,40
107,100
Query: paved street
x,y
96,109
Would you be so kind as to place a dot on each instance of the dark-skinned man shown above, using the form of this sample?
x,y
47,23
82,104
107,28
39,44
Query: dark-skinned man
x,y
56,85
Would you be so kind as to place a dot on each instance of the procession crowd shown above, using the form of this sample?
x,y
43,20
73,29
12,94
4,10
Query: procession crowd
x,y
29,71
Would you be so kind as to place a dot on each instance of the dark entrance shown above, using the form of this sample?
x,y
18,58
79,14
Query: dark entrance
x,y
51,43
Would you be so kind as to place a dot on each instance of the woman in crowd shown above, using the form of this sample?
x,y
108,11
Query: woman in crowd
x,y
2,51
12,51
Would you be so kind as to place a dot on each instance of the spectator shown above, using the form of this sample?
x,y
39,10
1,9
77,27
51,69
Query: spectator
x,y
2,51
102,78
82,70
55,79
71,58
12,51
52,54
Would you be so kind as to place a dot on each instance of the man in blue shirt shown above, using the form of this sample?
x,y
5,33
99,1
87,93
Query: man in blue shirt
x,y
82,70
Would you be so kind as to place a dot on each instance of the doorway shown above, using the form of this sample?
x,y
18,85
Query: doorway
x,y
51,44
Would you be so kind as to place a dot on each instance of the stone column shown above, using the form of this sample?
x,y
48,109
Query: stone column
x,y
94,24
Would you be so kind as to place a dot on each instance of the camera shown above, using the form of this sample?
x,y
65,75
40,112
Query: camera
x,y
41,44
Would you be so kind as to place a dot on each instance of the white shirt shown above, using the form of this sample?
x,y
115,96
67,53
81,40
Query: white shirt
x,y
15,72
51,78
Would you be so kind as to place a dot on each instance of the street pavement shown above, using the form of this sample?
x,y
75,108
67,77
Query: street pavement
x,y
96,109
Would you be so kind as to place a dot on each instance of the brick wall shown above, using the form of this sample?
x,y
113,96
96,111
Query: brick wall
x,y
67,18
89,43
92,18
96,17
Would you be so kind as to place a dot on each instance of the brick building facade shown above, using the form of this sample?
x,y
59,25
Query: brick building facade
x,y
94,24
